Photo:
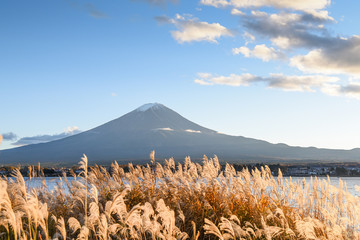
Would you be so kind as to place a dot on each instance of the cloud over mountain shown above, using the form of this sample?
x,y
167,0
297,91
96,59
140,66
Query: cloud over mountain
x,y
47,138
10,136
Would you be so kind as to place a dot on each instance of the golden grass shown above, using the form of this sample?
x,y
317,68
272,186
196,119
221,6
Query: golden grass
x,y
184,201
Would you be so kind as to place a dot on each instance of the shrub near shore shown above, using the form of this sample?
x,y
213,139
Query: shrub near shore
x,y
184,201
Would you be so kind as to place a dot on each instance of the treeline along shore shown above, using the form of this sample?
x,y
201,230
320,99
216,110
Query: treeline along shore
x,y
318,169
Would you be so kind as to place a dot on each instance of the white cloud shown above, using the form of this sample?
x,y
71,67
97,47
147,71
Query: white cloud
x,y
243,50
235,11
260,51
343,57
249,37
310,16
69,131
204,75
216,3
191,29
164,129
284,19
350,90
231,80
192,131
290,30
72,130
303,83
321,15
257,13
289,83
203,82
9,136
284,42
298,83
194,30
289,4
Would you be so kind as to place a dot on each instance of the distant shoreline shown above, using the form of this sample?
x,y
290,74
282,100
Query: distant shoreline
x,y
287,170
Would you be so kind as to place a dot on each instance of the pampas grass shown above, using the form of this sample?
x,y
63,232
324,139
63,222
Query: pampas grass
x,y
184,201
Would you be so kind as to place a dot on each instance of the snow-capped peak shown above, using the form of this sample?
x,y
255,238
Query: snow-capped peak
x,y
148,106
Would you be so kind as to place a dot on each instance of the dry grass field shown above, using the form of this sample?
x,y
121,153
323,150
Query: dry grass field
x,y
183,201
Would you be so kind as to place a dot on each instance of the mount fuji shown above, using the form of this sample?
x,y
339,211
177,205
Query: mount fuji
x,y
153,126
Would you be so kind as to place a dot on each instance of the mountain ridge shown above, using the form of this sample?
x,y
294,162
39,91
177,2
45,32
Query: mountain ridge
x,y
132,136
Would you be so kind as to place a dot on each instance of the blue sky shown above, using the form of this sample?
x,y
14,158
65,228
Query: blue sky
x,y
282,71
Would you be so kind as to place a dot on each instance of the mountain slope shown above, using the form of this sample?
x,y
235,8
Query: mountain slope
x,y
154,126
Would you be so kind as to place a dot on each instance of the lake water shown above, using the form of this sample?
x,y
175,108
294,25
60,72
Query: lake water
x,y
351,182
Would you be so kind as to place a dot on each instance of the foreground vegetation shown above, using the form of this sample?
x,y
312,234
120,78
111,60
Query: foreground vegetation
x,y
184,201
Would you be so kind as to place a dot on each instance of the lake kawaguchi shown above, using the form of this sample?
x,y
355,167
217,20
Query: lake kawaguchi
x,y
350,182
